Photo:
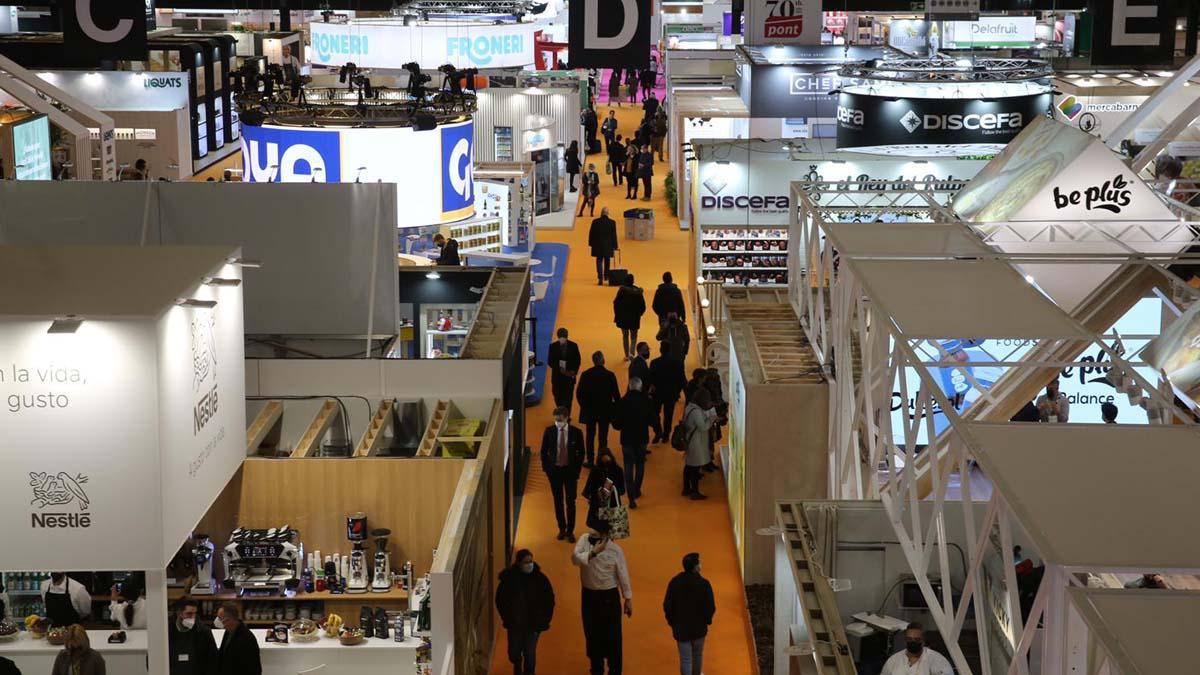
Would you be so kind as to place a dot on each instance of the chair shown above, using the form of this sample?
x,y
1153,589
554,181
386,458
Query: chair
x,y
539,289
313,670
550,274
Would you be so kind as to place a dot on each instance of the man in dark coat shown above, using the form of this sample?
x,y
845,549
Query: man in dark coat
x,y
449,247
238,654
650,106
602,237
667,298
689,606
562,460
628,307
675,331
590,125
646,167
525,600
639,367
190,644
669,380
616,158
563,361
597,394
635,417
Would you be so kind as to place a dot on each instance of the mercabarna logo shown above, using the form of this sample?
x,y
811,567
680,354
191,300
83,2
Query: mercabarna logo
x,y
1070,107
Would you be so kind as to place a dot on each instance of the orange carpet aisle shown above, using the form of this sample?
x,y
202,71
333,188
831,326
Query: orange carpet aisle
x,y
665,526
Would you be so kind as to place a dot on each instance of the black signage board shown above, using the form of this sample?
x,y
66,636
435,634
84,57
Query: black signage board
x,y
868,120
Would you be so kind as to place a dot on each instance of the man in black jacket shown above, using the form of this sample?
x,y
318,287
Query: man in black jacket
x,y
675,331
525,601
190,644
562,460
669,380
639,367
8,667
646,166
650,106
238,654
667,298
597,394
689,607
449,255
635,417
616,158
563,361
602,237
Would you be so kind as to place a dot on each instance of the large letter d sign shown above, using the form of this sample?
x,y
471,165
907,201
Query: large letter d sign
x,y
591,25
83,14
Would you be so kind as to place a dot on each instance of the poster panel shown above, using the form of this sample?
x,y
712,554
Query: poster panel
x,y
609,33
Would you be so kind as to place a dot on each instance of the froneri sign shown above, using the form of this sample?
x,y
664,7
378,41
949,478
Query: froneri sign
x,y
392,44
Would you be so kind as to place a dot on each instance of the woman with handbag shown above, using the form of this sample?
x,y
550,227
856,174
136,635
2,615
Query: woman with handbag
x,y
698,420
605,486
590,186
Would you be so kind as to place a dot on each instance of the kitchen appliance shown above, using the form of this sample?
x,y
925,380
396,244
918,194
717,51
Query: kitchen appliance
x,y
357,578
382,581
263,562
204,554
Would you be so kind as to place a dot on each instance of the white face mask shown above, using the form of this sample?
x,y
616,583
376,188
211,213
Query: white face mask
x,y
189,623
218,623
560,425
527,568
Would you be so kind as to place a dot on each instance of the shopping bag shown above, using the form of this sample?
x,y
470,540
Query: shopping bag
x,y
617,518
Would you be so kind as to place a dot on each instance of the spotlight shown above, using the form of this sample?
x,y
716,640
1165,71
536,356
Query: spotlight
x,y
433,275
244,262
198,304
218,281
67,324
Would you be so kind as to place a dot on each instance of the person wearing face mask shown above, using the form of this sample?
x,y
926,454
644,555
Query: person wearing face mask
x,y
562,460
639,367
605,486
563,360
238,654
597,394
190,644
635,418
525,601
66,600
604,575
689,606
916,659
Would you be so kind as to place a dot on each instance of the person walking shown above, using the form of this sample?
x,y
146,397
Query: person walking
x,y
646,170
689,606
598,394
571,157
669,379
658,133
616,160
609,128
525,601
698,418
639,366
634,418
77,656
591,189
562,461
628,307
632,153
590,125
602,238
604,576
675,331
631,84
647,78
667,299
649,104
563,360
604,487
614,87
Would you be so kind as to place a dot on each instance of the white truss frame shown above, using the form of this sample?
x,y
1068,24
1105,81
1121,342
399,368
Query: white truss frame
x,y
842,321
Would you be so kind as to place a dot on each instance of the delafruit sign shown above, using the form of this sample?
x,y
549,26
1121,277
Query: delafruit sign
x,y
390,44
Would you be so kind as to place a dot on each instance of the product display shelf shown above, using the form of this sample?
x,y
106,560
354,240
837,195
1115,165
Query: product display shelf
x,y
744,255
478,234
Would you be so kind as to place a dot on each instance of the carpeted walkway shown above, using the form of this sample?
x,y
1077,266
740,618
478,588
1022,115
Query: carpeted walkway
x,y
665,526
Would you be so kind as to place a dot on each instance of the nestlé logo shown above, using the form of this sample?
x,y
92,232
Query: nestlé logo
x,y
1111,195
59,490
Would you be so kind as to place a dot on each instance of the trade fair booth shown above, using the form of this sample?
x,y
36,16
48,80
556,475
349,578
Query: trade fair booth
x,y
141,348
25,152
390,43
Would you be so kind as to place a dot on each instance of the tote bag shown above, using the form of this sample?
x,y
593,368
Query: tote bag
x,y
617,518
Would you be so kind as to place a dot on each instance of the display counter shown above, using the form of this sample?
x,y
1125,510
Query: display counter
x,y
373,656
37,656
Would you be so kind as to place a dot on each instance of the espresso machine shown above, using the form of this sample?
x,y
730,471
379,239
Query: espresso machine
x,y
382,581
263,562
356,531
203,553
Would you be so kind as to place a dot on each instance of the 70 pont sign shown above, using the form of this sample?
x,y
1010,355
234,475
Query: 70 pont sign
x,y
785,19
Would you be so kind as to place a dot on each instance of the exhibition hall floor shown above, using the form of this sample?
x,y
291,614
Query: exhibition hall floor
x,y
665,525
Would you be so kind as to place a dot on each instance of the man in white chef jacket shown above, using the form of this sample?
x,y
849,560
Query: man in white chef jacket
x,y
916,659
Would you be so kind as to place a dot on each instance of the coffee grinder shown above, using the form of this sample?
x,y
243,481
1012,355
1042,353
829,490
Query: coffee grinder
x,y
356,531
203,554
382,582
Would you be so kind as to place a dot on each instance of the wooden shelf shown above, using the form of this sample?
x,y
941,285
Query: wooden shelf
x,y
316,596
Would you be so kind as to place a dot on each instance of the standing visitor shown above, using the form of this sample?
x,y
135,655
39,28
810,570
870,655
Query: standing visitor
x,y
916,659
590,124
190,643
1108,413
598,395
448,256
689,606
602,238
628,307
562,460
604,487
675,331
604,575
635,417
616,159
649,105
609,128
646,170
128,604
238,653
525,601
591,189
647,78
1053,406
698,418
667,298
639,366
614,87
631,84
563,360
669,379
77,656
632,155
658,133
571,157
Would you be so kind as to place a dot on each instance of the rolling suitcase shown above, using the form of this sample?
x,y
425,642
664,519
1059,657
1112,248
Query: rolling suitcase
x,y
616,275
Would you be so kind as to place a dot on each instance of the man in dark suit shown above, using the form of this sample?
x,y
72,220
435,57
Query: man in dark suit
x,y
449,254
563,360
562,460
669,381
635,416
602,237
190,643
238,654
639,367
598,393
616,158
667,298
646,166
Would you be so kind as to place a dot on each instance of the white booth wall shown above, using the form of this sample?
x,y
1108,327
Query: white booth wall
x,y
502,107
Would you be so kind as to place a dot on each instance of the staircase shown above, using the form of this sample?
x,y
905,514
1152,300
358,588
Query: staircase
x,y
507,292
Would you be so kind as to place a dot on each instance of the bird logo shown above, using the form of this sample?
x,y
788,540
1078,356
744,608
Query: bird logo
x,y
58,490
204,349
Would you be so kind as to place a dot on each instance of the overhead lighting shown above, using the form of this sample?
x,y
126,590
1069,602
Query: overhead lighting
x,y
433,275
244,262
218,281
67,324
710,329
196,303
1029,278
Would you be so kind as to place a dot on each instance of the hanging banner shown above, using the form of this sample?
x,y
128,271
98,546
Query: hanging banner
x,y
867,121
1132,31
783,22
391,44
108,30
609,33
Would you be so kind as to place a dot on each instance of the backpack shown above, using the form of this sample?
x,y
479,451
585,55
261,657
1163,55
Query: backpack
x,y
681,438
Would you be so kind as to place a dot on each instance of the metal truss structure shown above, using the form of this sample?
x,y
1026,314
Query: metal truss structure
x,y
949,70
905,298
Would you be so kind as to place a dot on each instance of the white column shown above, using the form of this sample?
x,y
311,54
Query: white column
x,y
156,622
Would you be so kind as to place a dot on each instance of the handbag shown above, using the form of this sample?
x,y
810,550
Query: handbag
x,y
617,518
